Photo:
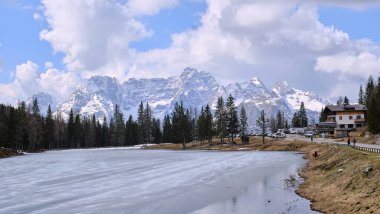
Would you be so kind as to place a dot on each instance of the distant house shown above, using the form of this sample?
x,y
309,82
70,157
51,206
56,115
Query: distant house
x,y
341,119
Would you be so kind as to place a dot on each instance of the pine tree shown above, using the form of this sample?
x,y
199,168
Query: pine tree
x,y
280,120
243,122
179,125
132,132
272,125
148,123
98,134
35,129
118,128
49,130
167,130
220,119
286,125
208,123
296,121
104,133
373,105
21,138
156,131
232,121
303,115
346,101
369,91
361,96
78,132
141,123
92,135
60,130
262,123
201,123
70,131
322,116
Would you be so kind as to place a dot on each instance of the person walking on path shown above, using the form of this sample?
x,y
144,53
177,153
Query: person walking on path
x,y
354,141
348,141
311,138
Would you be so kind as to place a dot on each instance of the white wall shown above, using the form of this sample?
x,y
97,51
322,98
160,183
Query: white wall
x,y
345,119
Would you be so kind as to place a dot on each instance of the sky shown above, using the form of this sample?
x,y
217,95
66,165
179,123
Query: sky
x,y
329,47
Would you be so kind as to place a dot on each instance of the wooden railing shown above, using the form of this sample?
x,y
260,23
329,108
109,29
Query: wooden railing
x,y
366,149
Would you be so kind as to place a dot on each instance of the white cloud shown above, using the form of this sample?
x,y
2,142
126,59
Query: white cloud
x,y
37,17
237,39
361,64
58,83
94,35
49,65
139,7
28,81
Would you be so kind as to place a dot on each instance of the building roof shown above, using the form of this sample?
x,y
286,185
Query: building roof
x,y
336,108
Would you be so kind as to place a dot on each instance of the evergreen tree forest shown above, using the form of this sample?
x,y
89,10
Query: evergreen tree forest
x,y
25,128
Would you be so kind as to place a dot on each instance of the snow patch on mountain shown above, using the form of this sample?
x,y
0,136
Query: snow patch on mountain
x,y
100,94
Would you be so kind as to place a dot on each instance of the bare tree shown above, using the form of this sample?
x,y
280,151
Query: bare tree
x,y
262,123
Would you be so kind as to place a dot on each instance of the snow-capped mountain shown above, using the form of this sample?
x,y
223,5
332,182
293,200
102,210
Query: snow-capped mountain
x,y
293,98
99,95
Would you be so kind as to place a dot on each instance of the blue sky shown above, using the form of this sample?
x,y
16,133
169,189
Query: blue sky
x,y
358,23
20,37
20,41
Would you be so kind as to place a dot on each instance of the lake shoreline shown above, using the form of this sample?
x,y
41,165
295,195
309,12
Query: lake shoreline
x,y
334,181
6,153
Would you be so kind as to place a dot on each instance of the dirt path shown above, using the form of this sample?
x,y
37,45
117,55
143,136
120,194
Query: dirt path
x,y
329,141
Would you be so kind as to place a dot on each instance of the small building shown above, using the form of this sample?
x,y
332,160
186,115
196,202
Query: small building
x,y
341,119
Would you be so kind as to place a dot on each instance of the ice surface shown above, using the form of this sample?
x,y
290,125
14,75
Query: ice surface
x,y
138,181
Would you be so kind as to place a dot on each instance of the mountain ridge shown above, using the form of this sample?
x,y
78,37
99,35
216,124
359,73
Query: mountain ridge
x,y
99,94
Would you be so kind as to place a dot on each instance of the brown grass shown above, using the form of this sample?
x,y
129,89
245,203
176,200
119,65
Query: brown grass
x,y
349,191
4,153
329,190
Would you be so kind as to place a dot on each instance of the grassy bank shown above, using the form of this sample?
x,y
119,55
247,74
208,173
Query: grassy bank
x,y
4,153
335,181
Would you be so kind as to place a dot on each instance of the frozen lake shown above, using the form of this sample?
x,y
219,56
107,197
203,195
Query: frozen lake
x,y
139,181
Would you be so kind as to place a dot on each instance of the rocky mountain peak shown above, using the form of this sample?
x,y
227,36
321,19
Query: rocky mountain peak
x,y
283,88
99,94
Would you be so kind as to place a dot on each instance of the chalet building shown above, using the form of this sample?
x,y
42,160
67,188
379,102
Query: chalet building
x,y
341,119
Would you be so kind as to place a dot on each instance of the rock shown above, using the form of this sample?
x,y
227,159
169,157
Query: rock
x,y
340,170
367,170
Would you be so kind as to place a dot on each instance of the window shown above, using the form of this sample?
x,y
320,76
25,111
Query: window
x,y
350,126
350,117
342,126
340,118
358,117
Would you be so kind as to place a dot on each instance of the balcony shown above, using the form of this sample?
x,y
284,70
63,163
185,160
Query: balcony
x,y
362,120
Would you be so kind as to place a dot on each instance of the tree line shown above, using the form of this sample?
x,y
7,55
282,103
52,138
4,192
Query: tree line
x,y
371,99
25,128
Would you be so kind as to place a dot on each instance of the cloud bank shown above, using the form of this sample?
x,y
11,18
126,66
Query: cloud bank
x,y
237,39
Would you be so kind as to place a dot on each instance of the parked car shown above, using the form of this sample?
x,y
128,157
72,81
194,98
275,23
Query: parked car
x,y
279,135
309,134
